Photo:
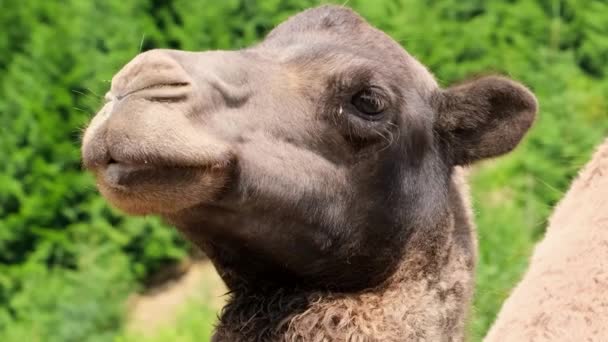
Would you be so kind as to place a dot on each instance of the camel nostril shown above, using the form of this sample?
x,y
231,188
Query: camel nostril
x,y
112,161
163,92
165,85
168,92
155,75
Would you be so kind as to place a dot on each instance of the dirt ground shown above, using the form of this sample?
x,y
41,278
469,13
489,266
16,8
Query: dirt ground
x,y
160,305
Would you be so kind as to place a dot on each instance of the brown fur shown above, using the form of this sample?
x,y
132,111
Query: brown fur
x,y
564,294
319,171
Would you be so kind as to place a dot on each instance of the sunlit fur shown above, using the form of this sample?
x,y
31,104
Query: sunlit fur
x,y
563,294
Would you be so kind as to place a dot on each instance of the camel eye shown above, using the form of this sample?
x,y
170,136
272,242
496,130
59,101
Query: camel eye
x,y
369,102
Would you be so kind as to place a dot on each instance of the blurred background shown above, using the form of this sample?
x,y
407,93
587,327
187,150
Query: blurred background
x,y
73,269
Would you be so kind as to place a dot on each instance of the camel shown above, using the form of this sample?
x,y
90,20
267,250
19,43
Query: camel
x,y
321,170
563,295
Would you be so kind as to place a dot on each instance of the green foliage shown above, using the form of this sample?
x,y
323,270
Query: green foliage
x,y
49,209
62,305
67,260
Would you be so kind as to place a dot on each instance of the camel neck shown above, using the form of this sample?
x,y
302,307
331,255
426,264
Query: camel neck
x,y
425,298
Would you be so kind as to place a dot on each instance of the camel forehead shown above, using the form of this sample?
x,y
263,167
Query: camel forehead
x,y
335,36
330,26
321,18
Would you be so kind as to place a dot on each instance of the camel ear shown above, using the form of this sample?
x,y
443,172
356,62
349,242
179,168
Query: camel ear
x,y
483,118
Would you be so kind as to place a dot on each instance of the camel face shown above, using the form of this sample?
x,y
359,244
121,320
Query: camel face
x,y
311,156
320,94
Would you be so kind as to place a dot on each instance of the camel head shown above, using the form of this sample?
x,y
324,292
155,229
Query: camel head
x,y
309,157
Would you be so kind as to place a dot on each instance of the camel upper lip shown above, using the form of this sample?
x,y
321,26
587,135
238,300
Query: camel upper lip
x,y
123,172
98,158
142,162
123,176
